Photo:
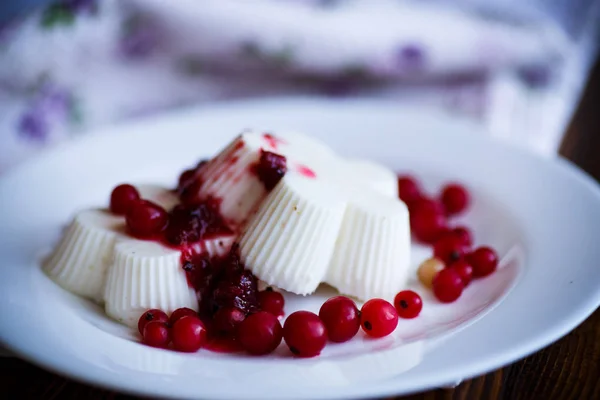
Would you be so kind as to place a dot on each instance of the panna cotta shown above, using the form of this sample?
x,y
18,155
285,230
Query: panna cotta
x,y
372,253
290,240
145,275
282,210
241,175
80,261
373,175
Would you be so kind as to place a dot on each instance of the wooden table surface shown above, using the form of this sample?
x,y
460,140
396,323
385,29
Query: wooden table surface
x,y
567,369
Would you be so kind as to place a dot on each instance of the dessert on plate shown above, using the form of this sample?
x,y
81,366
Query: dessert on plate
x,y
280,213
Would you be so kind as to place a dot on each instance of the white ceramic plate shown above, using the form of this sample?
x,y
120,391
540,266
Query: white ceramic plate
x,y
543,216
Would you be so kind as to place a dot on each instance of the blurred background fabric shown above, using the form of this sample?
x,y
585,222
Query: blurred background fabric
x,y
69,67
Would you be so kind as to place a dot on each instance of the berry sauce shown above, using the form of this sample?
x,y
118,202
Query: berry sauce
x,y
270,168
272,140
191,223
306,172
221,282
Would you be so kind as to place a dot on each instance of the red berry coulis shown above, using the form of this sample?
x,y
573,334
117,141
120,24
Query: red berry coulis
x,y
272,140
270,168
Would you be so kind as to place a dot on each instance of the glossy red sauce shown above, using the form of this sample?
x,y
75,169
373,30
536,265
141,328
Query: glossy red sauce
x,y
305,171
272,140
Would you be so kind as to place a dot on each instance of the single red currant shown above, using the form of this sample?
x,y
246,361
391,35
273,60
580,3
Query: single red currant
x,y
408,304
260,333
449,248
145,219
464,234
188,334
341,318
464,269
305,334
425,204
227,319
149,316
156,334
427,225
484,261
271,301
378,318
447,285
408,189
122,198
179,313
455,198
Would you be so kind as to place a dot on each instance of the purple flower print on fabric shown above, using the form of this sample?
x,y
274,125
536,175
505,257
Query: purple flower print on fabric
x,y
78,6
48,104
33,126
410,56
536,76
139,37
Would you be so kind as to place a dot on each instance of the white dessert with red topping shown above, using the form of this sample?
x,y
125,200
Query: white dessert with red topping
x,y
301,215
290,240
240,176
268,214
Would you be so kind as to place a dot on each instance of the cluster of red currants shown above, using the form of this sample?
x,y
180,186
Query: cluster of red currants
x,y
144,218
454,264
305,333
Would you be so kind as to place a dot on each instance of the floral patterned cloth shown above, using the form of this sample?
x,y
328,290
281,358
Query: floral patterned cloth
x,y
79,64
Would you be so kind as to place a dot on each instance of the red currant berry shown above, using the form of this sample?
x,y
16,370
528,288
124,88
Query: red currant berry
x,y
449,248
455,198
227,319
260,333
179,313
156,334
145,219
378,318
188,334
464,270
185,177
447,285
151,315
427,226
341,318
408,304
408,189
484,261
305,334
271,301
425,204
123,197
464,234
